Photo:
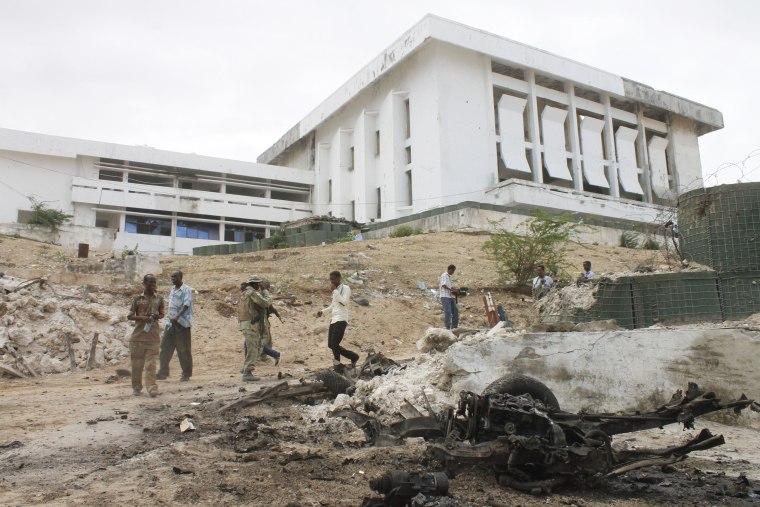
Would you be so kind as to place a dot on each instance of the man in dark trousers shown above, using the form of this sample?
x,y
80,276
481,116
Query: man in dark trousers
x,y
177,332
146,310
341,297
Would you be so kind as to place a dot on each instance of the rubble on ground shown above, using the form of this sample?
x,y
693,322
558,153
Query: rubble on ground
x,y
39,321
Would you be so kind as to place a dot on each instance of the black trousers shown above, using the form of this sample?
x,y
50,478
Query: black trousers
x,y
334,337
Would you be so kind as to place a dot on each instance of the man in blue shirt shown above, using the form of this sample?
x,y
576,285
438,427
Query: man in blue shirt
x,y
177,331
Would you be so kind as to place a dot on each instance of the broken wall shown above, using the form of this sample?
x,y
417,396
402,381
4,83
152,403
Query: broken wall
x,y
614,370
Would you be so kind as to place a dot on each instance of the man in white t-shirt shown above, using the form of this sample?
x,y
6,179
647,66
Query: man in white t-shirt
x,y
448,301
541,283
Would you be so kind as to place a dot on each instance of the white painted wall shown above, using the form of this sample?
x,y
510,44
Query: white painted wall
x,y
45,177
684,144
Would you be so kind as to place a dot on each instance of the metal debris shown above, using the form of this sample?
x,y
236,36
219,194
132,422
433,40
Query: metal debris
x,y
534,446
401,488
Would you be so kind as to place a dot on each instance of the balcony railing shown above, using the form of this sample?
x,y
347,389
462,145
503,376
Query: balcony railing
x,y
119,194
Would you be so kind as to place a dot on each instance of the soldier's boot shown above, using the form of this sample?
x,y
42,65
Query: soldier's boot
x,y
250,377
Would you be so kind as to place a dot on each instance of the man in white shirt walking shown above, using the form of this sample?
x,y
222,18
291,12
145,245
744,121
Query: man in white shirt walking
x,y
341,297
541,283
448,301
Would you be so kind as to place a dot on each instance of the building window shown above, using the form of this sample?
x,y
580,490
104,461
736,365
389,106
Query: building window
x,y
197,230
147,179
407,118
409,195
379,211
408,155
353,210
241,233
377,143
329,191
106,175
148,225
351,158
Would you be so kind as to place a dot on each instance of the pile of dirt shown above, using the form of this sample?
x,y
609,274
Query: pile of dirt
x,y
38,322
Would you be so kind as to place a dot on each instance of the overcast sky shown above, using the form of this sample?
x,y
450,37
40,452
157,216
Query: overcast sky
x,y
228,78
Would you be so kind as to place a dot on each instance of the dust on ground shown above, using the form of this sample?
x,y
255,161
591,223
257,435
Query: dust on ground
x,y
83,439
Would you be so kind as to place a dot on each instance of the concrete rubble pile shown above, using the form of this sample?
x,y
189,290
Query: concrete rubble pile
x,y
436,375
38,322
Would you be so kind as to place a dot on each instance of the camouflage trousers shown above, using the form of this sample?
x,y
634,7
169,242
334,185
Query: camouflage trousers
x,y
253,345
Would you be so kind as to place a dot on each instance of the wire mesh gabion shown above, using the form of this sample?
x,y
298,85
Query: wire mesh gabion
x,y
720,227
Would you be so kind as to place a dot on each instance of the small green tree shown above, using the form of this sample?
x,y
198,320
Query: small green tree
x,y
543,241
42,214
277,239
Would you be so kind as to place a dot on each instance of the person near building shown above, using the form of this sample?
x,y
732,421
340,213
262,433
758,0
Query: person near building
x,y
177,331
341,297
448,301
252,318
541,283
587,275
146,311
266,348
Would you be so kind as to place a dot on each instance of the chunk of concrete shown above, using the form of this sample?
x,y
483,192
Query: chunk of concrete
x,y
436,339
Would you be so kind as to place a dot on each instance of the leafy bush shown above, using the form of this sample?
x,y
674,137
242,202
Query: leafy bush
x,y
127,251
629,240
347,238
44,215
543,242
277,239
402,231
650,244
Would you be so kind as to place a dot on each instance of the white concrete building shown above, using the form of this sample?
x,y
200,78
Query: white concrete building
x,y
449,114
162,201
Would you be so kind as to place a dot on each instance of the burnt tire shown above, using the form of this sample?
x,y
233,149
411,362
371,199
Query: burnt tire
x,y
334,381
517,385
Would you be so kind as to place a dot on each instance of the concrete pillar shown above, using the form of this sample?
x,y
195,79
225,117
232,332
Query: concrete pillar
x,y
575,144
533,127
609,148
641,150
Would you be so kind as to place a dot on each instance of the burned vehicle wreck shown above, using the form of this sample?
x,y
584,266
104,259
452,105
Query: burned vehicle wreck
x,y
517,428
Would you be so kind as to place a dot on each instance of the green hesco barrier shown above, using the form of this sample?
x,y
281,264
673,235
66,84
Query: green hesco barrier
x,y
676,298
264,244
249,247
740,294
312,238
614,300
720,226
225,249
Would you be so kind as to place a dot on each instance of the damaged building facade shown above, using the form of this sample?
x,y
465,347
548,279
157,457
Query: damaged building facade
x,y
162,201
449,114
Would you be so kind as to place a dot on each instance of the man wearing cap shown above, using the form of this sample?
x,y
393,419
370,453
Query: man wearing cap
x,y
252,316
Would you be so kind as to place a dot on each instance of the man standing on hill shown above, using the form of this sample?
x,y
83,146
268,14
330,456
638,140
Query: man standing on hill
x,y
252,316
146,310
177,332
587,274
448,301
541,283
341,296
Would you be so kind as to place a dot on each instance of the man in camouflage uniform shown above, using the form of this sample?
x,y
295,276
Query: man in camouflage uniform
x,y
252,316
146,310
